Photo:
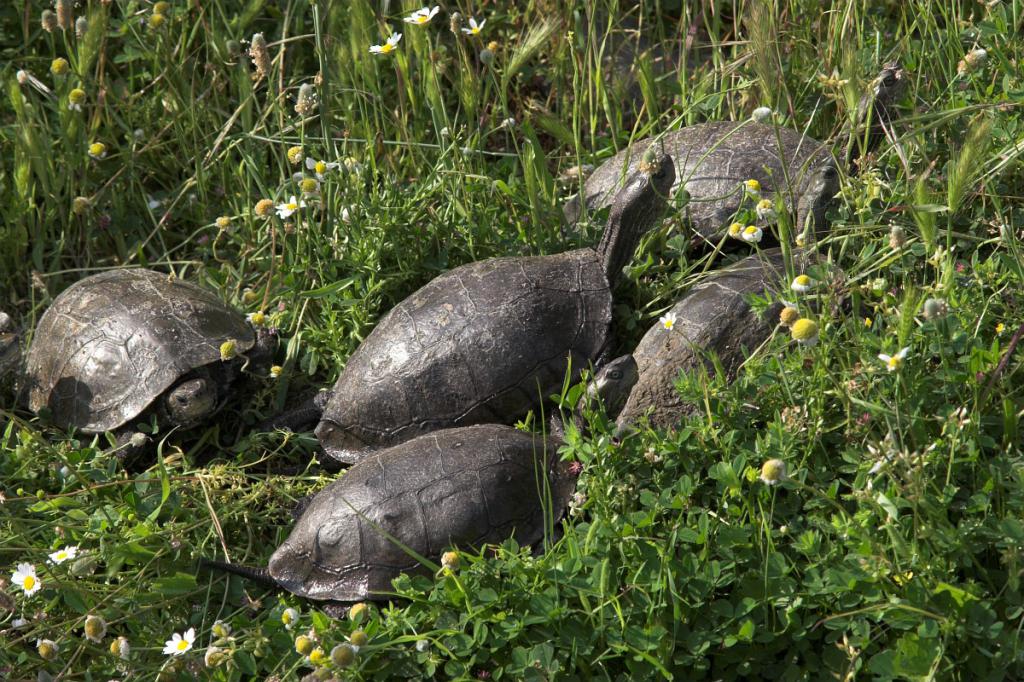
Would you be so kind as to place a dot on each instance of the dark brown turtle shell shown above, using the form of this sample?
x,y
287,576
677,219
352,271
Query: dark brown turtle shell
x,y
712,161
461,487
714,317
482,343
112,343
488,341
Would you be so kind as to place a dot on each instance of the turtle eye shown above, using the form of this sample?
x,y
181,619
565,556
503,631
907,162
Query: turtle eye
x,y
889,79
616,374
829,172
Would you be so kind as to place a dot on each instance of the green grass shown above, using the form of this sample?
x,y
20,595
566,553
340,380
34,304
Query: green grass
x,y
679,562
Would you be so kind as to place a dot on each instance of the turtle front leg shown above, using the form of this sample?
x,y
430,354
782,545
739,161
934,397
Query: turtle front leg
x,y
302,418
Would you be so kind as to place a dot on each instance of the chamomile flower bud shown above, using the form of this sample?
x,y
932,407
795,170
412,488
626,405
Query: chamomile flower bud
x,y
487,56
214,656
228,350
753,187
264,208
59,66
317,656
47,649
48,21
221,629
95,628
81,26
289,616
450,561
65,14
258,318
275,371
304,645
120,648
773,472
309,186
156,22
260,55
343,655
306,102
76,98
805,332
249,296
789,315
161,7
97,150
761,114
358,638
80,205
358,612
223,222
735,230
295,155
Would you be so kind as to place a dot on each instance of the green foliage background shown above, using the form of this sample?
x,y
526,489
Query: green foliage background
x,y
894,550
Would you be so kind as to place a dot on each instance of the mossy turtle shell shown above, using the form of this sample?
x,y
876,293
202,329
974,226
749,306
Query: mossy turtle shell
x,y
112,343
461,487
712,162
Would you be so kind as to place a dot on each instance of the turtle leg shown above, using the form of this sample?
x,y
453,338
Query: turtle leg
x,y
260,357
301,418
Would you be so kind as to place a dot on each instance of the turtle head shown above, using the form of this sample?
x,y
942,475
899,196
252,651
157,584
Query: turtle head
x,y
890,84
819,190
636,208
611,385
190,400
877,108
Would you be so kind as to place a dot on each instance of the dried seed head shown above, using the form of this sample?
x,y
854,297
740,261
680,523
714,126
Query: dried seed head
x,y
81,26
264,208
49,21
343,655
79,205
260,55
306,103
65,14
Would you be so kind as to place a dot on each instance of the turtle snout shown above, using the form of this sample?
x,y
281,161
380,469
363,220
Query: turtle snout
x,y
191,401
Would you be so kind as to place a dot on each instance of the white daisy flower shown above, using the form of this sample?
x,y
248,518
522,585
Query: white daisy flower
x,y
766,210
474,28
752,234
62,555
802,284
25,577
286,209
388,46
668,321
179,644
773,472
894,362
319,168
422,16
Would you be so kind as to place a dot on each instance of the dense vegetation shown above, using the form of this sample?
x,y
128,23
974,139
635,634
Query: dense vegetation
x,y
145,134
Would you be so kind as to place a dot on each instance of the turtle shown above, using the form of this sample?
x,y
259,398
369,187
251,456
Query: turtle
x,y
713,317
714,159
464,486
126,341
487,341
9,340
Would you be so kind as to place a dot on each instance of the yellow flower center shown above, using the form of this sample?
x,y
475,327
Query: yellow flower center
x,y
422,19
895,362
804,329
292,207
97,148
750,231
62,555
803,280
753,185
182,645
77,96
764,204
735,229
668,324
386,47
475,30
320,167
29,583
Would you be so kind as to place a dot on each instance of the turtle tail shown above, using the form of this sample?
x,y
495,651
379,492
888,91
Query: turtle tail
x,y
260,575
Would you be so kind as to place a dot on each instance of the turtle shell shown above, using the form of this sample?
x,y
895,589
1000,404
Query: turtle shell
x,y
459,487
112,343
714,317
712,161
505,329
